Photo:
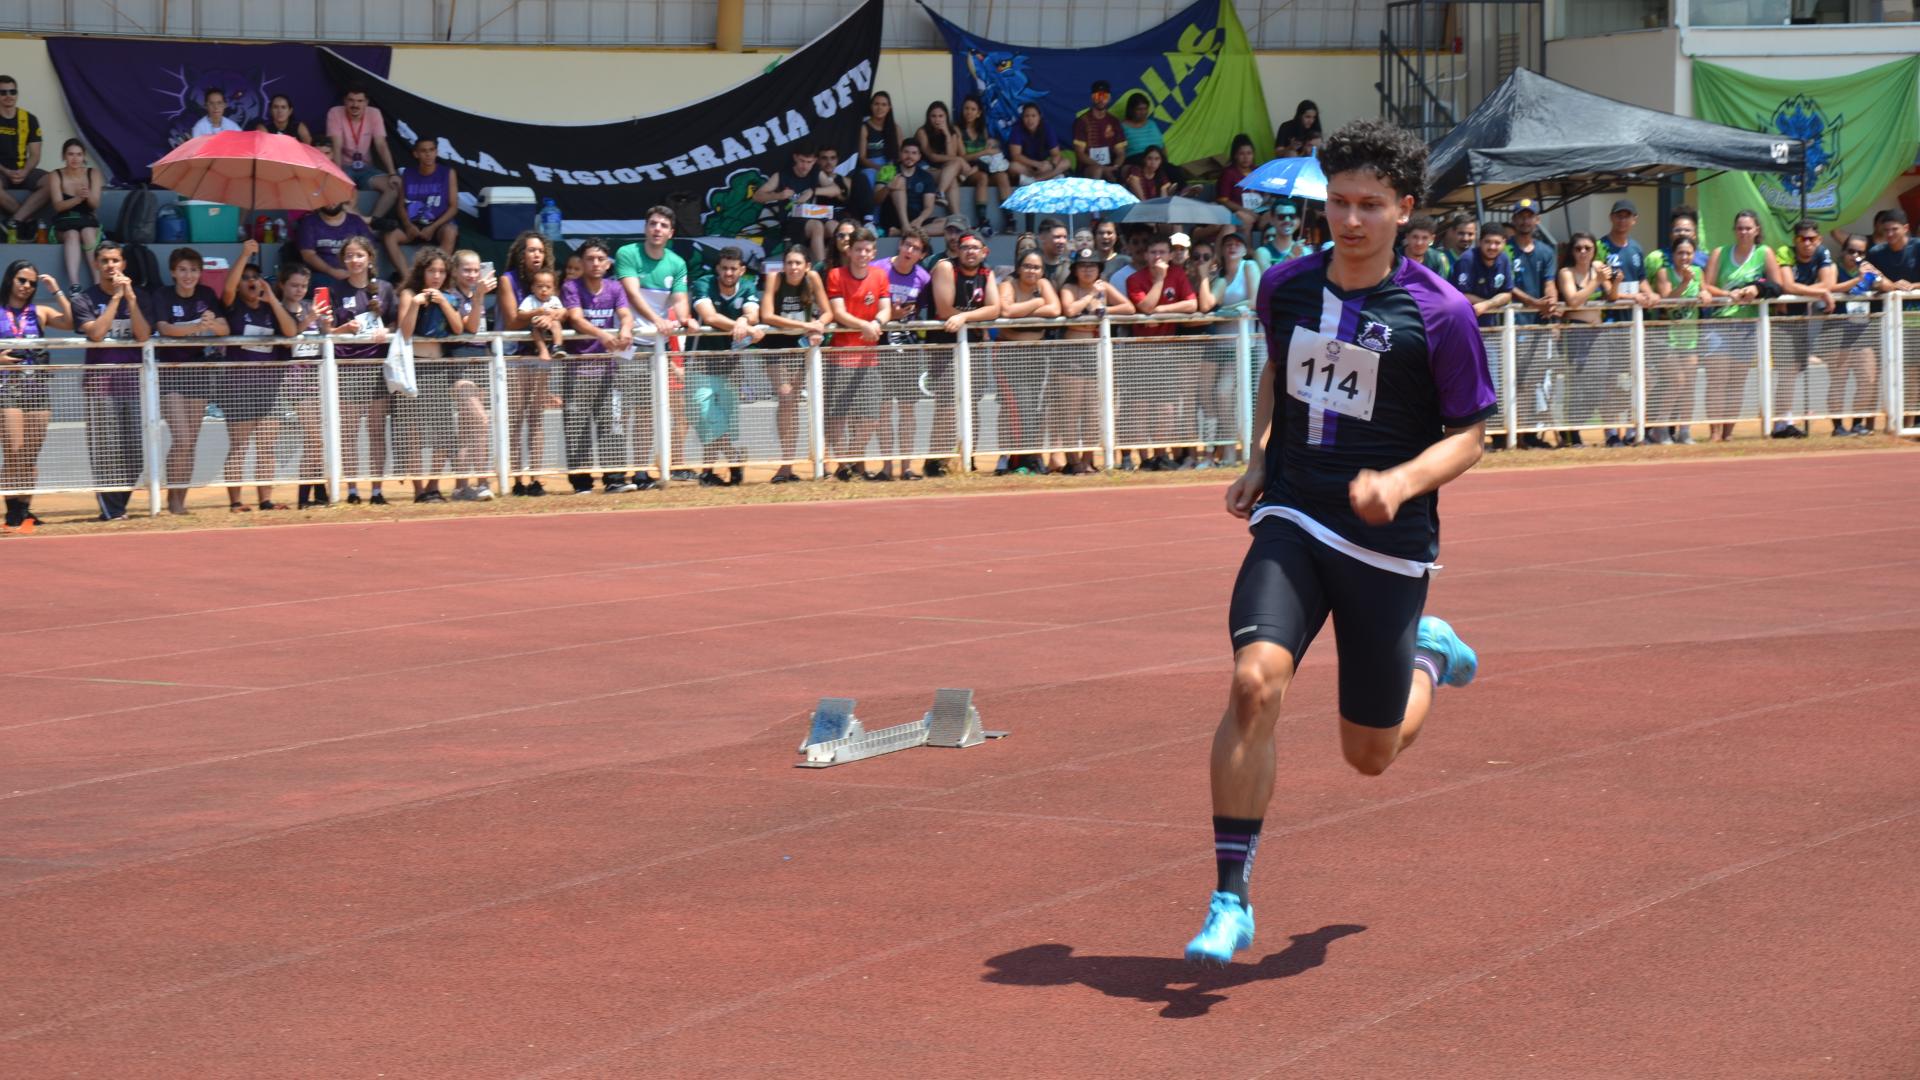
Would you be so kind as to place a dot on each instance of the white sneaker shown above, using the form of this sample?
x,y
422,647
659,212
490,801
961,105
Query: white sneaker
x,y
482,493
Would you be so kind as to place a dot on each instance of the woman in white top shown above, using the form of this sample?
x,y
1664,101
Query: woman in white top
x,y
216,118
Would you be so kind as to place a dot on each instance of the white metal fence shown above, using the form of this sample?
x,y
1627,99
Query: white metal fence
x,y
1086,387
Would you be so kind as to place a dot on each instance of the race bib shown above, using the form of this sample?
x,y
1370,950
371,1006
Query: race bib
x,y
1100,155
1859,307
1327,373
303,352
251,330
366,322
1629,288
1252,200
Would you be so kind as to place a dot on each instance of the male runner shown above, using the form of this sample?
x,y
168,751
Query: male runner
x,y
1377,392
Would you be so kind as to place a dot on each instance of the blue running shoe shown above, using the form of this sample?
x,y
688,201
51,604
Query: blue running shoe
x,y
1439,639
1229,929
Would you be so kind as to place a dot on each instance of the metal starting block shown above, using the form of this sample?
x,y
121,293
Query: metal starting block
x,y
835,735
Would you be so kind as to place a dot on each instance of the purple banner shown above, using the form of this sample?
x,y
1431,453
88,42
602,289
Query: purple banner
x,y
135,100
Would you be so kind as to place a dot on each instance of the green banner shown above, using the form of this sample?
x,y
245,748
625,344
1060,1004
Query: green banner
x,y
1861,132
1229,101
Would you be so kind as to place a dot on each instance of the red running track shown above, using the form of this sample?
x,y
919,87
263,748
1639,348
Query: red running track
x,y
515,796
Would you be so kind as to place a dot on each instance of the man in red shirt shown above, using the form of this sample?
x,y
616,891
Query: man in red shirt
x,y
1098,142
1161,288
861,298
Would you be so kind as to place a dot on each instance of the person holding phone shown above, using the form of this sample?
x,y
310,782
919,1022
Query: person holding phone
x,y
25,404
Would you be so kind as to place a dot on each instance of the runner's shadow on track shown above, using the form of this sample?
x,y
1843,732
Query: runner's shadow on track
x,y
1188,990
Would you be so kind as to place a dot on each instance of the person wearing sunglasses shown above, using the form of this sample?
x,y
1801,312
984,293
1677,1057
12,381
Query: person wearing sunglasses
x,y
20,140
24,375
1854,355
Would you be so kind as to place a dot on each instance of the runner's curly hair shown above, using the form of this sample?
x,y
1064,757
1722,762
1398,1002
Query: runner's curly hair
x,y
1391,153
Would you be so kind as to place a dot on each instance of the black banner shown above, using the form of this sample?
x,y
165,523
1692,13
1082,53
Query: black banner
x,y
604,176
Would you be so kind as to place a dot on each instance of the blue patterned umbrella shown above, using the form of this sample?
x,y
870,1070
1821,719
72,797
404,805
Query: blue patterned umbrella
x,y
1068,195
1295,178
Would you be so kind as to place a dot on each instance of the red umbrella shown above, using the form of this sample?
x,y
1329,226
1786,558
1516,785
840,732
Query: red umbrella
x,y
253,169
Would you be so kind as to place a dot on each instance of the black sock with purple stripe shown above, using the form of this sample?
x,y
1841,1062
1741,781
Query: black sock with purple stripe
x,y
1234,842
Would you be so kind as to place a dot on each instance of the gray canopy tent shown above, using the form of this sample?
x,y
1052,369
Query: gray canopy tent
x,y
1556,143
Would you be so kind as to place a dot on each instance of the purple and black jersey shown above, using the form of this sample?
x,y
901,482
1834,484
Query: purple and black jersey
x,y
427,196
1431,375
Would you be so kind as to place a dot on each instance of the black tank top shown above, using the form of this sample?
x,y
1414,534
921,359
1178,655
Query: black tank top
x,y
969,290
969,294
789,302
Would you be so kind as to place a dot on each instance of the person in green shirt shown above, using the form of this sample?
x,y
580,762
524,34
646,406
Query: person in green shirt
x,y
655,279
1735,273
727,301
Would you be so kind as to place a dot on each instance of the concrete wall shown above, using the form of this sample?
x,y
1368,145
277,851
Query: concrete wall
x,y
1636,67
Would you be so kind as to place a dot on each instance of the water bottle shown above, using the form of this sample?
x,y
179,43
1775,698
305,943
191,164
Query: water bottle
x,y
1866,284
551,224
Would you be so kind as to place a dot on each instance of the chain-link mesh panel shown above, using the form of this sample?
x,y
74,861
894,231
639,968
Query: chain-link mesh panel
x,y
1037,396
1729,379
1539,374
894,401
259,424
771,427
1909,365
444,430
1675,375
1490,338
536,424
1592,375
891,400
607,421
1168,391
78,428
1825,366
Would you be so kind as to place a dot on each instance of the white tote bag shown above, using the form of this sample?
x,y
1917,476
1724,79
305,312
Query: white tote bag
x,y
399,367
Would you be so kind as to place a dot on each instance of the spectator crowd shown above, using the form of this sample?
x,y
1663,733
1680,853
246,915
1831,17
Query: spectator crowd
x,y
595,312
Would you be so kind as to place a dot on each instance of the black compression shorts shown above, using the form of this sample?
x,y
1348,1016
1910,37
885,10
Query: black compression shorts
x,y
1288,586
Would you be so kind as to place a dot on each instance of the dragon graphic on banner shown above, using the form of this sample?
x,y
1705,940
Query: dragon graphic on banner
x,y
1196,69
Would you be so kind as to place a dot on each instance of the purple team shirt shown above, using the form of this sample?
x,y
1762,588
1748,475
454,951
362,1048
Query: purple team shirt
x,y
600,308
1433,375
326,240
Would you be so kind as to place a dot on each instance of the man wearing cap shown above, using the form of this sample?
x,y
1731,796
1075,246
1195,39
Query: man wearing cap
x,y
956,227
1180,248
1624,254
1535,287
963,292
1098,143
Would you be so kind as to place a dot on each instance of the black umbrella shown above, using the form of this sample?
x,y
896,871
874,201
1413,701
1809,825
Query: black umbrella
x,y
1174,210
